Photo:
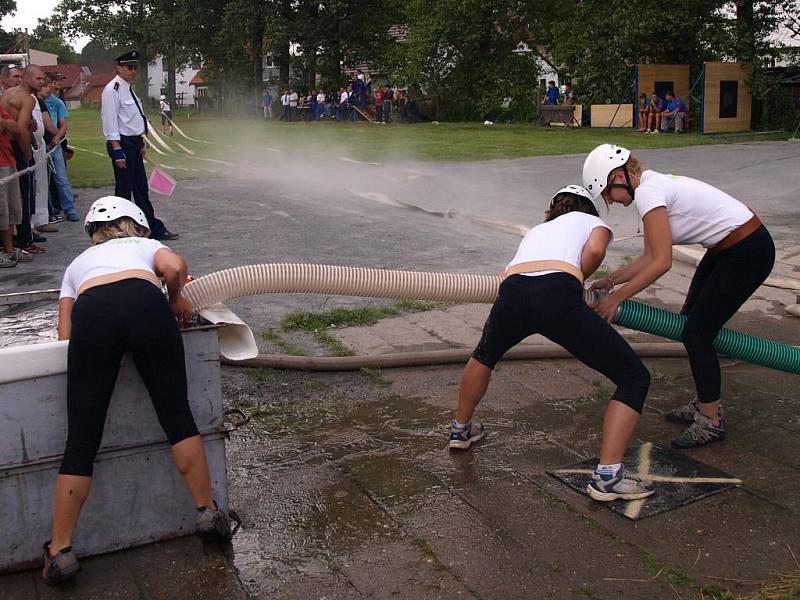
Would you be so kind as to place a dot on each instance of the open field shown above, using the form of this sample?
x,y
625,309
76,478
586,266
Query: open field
x,y
256,140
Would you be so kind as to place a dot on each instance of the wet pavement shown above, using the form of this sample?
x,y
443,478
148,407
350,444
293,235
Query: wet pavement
x,y
344,481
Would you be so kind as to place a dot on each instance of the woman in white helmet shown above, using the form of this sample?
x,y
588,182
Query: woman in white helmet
x,y
543,293
739,257
166,115
111,303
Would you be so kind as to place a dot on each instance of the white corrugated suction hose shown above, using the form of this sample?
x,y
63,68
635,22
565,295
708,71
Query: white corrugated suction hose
x,y
290,278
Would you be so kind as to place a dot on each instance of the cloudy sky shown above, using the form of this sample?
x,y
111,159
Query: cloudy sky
x,y
28,14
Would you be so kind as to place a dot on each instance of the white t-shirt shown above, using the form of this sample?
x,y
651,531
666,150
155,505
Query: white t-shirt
x,y
285,100
320,98
345,97
293,99
698,213
562,239
164,105
113,256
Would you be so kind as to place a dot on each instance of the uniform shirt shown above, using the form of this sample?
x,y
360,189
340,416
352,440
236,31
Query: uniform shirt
x,y
285,100
56,108
698,213
562,239
113,256
119,111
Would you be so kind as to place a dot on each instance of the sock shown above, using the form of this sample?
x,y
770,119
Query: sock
x,y
608,472
458,425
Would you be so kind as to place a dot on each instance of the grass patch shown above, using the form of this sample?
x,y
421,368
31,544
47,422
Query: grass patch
x,y
91,167
276,339
374,375
335,346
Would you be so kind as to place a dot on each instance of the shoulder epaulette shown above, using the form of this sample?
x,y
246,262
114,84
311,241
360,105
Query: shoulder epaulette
x,y
116,86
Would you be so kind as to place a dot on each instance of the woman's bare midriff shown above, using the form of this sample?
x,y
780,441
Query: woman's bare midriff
x,y
119,276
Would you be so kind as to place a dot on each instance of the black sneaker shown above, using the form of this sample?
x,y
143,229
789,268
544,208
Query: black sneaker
x,y
462,439
213,525
60,568
166,235
700,433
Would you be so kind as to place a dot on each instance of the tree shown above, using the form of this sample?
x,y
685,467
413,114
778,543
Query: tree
x,y
47,38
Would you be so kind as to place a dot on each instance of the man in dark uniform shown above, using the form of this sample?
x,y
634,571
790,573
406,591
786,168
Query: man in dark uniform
x,y
124,126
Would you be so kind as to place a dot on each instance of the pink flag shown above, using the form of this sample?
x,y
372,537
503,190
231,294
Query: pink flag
x,y
160,182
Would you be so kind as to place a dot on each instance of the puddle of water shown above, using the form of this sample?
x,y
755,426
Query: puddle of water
x,y
24,324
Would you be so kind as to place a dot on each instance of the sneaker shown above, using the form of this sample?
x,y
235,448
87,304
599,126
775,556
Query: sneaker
x,y
166,235
57,218
700,433
20,255
213,525
7,261
462,439
621,487
73,217
49,228
682,414
60,568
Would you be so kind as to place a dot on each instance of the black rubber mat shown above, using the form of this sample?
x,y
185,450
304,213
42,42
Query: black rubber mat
x,y
677,479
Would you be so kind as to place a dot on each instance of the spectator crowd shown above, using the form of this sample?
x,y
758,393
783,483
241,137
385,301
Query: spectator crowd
x,y
35,193
659,115
356,101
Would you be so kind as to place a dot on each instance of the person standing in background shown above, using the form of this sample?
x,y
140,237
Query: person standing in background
x,y
124,127
166,115
59,115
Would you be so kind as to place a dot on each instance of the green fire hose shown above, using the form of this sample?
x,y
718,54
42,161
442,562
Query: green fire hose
x,y
756,350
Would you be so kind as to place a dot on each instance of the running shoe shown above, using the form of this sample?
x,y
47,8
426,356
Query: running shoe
x,y
462,439
621,487
213,525
20,255
702,431
7,261
60,568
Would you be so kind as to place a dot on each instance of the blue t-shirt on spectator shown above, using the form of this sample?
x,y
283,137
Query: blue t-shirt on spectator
x,y
676,104
266,100
552,95
659,105
56,108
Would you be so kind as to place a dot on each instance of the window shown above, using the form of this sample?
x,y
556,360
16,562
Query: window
x,y
662,87
728,99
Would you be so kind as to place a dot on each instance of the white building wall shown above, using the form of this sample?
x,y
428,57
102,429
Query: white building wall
x,y
158,81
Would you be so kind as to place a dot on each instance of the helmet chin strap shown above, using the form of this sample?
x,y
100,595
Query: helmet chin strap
x,y
628,186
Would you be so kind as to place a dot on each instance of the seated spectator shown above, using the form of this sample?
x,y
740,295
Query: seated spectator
x,y
675,114
657,107
552,95
644,112
569,95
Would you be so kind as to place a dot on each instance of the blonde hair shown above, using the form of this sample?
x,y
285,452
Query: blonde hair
x,y
124,227
635,169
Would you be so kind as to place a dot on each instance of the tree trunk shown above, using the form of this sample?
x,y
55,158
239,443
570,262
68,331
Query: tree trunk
x,y
284,76
745,36
257,42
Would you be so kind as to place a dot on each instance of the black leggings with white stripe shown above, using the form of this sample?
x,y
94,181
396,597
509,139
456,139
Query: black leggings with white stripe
x,y
128,316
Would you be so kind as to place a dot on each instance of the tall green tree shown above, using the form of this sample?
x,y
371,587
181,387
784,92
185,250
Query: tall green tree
x,y
47,38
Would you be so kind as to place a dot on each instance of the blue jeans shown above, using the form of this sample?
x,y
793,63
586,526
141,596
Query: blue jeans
x,y
62,183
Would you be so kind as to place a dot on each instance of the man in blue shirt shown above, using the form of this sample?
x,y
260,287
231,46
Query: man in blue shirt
x,y
58,115
674,115
551,96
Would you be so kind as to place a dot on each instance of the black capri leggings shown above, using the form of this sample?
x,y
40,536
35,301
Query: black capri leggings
x,y
133,316
553,306
721,284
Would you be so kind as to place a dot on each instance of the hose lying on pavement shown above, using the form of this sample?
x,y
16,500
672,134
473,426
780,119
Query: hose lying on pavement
x,y
432,357
455,288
